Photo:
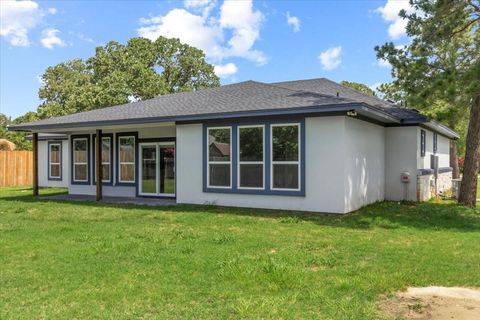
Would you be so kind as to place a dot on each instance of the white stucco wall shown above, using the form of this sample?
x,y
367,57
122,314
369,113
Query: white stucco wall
x,y
324,171
43,165
364,163
345,161
443,150
401,154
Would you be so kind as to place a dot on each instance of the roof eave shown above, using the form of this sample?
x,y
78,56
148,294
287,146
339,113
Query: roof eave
x,y
200,117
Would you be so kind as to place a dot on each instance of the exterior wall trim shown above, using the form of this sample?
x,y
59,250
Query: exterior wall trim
x,y
118,135
72,175
234,156
137,167
60,143
427,172
112,164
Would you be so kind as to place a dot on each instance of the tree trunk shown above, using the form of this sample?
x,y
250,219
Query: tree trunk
x,y
468,189
454,160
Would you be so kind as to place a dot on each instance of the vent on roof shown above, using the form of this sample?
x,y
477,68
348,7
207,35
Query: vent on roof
x,y
390,100
338,94
414,110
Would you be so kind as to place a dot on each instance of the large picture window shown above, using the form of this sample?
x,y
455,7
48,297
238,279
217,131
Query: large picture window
x,y
80,159
54,160
285,157
259,158
106,158
251,157
126,159
219,160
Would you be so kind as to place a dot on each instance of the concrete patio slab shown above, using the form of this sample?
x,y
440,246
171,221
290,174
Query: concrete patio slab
x,y
114,200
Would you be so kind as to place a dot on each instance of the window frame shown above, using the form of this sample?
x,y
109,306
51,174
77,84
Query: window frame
x,y
111,163
60,164
230,162
423,143
85,137
120,135
239,162
267,123
298,162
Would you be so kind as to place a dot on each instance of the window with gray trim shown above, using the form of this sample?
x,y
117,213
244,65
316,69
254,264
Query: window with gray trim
x,y
435,142
219,160
106,157
423,146
285,157
126,161
251,159
80,159
55,160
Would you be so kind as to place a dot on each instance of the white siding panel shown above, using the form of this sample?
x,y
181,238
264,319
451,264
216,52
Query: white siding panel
x,y
402,151
43,165
324,171
364,164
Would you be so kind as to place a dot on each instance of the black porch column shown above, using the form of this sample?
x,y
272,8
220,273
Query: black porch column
x,y
98,163
35,163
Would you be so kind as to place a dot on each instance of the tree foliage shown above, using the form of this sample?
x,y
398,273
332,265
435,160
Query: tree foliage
x,y
117,74
439,71
363,88
16,137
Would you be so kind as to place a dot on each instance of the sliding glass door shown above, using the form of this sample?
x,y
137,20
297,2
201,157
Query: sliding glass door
x,y
157,169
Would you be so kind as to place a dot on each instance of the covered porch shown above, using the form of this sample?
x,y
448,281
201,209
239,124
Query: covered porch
x,y
131,161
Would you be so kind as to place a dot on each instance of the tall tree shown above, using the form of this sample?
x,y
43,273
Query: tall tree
x,y
442,63
117,74
359,87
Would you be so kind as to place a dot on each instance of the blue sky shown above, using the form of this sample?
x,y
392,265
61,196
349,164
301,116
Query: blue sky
x,y
264,40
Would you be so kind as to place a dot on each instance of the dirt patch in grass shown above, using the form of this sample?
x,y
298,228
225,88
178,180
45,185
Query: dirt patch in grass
x,y
437,303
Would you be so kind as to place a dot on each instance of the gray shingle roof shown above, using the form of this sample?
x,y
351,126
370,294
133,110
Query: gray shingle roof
x,y
243,97
325,86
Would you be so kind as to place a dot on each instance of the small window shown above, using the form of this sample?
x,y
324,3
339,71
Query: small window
x,y
106,157
126,161
285,164
435,143
219,160
80,159
55,161
251,157
422,143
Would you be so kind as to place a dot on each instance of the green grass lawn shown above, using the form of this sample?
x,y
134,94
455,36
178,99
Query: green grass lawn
x,y
66,260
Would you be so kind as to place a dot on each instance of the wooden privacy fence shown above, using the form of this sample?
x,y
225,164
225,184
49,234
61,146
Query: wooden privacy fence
x,y
16,168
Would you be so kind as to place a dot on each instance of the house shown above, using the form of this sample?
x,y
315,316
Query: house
x,y
310,145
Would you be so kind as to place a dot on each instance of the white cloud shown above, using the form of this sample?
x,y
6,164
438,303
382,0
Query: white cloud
x,y
50,38
205,6
383,63
16,19
330,58
238,19
294,22
197,3
390,12
226,70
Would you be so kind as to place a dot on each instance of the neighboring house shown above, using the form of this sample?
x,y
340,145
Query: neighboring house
x,y
309,145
